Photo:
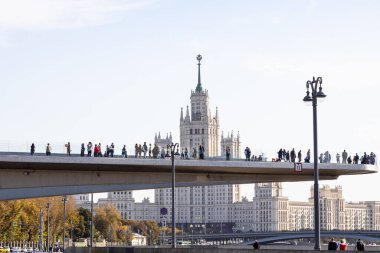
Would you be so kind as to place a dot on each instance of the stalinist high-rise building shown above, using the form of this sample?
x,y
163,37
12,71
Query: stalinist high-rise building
x,y
200,127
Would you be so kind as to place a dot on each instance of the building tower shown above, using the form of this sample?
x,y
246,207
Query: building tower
x,y
270,207
163,142
201,128
232,142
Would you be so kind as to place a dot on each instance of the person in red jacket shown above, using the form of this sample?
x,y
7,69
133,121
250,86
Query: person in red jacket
x,y
342,245
96,151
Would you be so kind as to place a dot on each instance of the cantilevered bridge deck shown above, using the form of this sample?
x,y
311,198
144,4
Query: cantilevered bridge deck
x,y
25,176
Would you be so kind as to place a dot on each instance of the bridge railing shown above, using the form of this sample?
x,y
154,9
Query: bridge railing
x,y
59,148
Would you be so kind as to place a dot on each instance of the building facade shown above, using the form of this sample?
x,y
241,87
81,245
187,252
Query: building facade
x,y
271,211
83,200
218,208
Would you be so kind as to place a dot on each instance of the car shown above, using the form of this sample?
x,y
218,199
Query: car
x,y
15,249
6,249
29,250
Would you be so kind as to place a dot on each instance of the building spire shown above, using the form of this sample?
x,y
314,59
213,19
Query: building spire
x,y
187,112
181,114
199,85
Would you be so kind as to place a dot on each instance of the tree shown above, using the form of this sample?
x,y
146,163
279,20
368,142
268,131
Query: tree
x,y
148,228
19,219
107,221
82,229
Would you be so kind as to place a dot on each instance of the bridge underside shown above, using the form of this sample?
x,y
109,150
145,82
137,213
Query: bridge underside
x,y
40,176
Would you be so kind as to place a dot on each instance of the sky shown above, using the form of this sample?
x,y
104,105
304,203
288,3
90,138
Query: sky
x,y
120,71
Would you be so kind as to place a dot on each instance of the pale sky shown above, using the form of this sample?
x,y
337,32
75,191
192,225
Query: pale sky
x,y
120,70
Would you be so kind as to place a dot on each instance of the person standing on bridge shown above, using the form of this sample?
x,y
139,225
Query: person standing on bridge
x,y
145,149
150,151
96,150
247,153
194,152
124,152
100,150
48,149
89,149
293,156
356,159
280,155
68,149
344,157
299,156
112,149
82,149
307,159
32,149
139,150
228,153
201,152
337,158
155,151
349,160
321,158
162,153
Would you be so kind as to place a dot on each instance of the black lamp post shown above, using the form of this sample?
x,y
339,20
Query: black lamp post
x,y
316,93
92,220
47,227
64,199
40,240
172,151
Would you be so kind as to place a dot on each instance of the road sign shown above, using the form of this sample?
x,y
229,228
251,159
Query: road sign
x,y
164,211
298,167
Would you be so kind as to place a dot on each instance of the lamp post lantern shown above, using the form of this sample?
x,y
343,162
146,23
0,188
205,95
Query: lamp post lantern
x,y
172,151
316,93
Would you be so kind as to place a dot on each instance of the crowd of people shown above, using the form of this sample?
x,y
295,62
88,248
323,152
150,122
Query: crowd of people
x,y
148,151
342,246
141,151
293,156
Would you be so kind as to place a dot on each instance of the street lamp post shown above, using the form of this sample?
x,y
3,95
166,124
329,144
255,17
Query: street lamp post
x,y
316,93
64,199
71,231
47,227
172,149
92,219
40,241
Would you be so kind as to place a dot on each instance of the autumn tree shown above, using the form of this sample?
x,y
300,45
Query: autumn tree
x,y
107,221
